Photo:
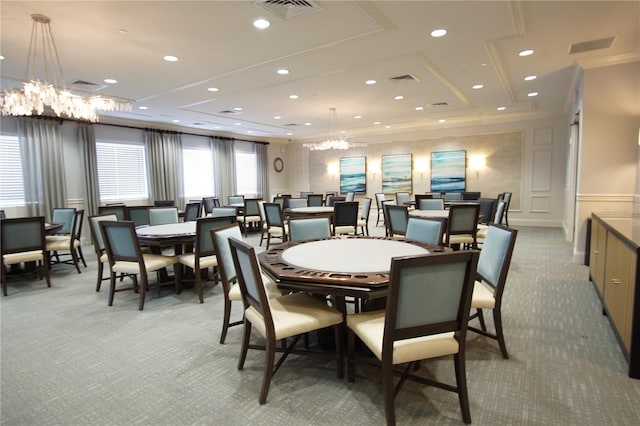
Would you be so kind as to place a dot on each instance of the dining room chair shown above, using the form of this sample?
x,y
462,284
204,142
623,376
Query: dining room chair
x,y
3,215
345,218
471,195
204,256
220,237
487,210
402,198
507,204
295,203
192,211
430,204
139,215
22,240
498,217
68,248
309,228
397,219
462,226
315,200
278,318
380,199
164,203
235,199
224,211
276,224
350,196
126,257
426,316
419,197
119,210
98,244
163,215
333,199
493,267
64,215
425,230
207,205
250,214
305,194
453,196
363,220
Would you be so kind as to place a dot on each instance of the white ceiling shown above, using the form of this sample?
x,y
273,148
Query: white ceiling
x,y
331,51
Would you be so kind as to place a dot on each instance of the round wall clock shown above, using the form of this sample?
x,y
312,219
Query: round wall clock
x,y
278,164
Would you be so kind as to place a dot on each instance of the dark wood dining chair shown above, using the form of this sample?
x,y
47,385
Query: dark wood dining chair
x,y
426,317
22,241
68,245
278,318
345,218
98,244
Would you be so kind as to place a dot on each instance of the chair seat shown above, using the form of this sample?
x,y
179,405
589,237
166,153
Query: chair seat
x,y
61,244
346,229
189,259
482,231
461,239
295,314
362,222
482,296
249,219
152,262
25,256
369,327
275,230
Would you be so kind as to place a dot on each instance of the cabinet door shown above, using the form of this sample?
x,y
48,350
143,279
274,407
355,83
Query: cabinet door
x,y
597,256
618,288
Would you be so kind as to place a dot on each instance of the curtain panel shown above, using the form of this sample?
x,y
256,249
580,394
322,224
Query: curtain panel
x,y
263,171
224,166
42,165
87,139
165,165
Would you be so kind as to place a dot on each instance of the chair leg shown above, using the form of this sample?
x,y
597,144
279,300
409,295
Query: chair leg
x,y
76,261
497,320
481,319
388,392
4,279
100,272
351,372
339,335
269,357
198,280
112,288
245,344
143,291
461,379
225,319
82,256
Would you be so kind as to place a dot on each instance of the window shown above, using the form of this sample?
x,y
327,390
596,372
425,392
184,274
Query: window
x,y
246,168
11,179
122,171
198,170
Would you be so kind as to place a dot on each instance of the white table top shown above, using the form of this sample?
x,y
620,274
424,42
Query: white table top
x,y
442,214
180,228
318,209
349,255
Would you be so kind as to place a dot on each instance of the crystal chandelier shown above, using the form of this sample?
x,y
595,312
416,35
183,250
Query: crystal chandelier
x,y
51,93
334,139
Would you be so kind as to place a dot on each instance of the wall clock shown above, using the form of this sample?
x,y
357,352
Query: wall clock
x,y
278,164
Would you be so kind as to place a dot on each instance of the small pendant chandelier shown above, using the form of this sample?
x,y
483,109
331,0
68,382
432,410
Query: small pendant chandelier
x,y
334,138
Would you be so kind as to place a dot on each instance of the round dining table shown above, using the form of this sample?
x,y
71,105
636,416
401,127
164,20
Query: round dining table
x,y
168,234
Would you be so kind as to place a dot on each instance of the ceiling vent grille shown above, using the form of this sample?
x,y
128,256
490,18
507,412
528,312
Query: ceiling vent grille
x,y
291,125
403,78
229,112
289,9
88,86
439,104
588,46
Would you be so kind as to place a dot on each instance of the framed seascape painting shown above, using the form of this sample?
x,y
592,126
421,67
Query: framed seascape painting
x,y
396,173
448,170
353,175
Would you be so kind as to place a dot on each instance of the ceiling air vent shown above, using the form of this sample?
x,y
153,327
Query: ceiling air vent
x,y
403,78
291,125
588,46
288,9
229,112
439,104
87,85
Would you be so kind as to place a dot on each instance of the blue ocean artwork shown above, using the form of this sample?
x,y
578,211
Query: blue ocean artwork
x,y
353,175
396,173
448,171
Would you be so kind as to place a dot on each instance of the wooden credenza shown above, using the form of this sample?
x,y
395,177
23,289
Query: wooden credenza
x,y
613,269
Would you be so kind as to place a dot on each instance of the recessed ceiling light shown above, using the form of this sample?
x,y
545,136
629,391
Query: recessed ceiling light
x,y
307,124
419,108
399,98
170,58
293,96
1,57
442,120
530,77
441,32
238,124
501,108
277,117
370,82
376,123
526,52
283,71
237,109
387,126
289,133
110,80
249,131
532,94
357,117
477,86
216,126
261,23
213,89
176,121
143,107
122,31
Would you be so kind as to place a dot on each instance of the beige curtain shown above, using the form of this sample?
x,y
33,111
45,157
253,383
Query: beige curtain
x,y
224,167
164,151
87,140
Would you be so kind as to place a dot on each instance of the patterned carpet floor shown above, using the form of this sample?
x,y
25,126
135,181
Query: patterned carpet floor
x,y
69,359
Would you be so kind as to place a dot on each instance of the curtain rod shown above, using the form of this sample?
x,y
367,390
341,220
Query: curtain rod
x,y
124,126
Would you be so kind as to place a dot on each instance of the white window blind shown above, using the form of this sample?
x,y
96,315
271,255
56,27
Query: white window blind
x,y
198,171
246,168
122,171
11,178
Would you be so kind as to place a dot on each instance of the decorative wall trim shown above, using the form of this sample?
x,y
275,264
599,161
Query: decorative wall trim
x,y
595,198
540,203
541,170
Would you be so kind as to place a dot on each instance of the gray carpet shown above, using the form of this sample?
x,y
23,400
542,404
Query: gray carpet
x,y
69,359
